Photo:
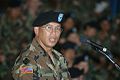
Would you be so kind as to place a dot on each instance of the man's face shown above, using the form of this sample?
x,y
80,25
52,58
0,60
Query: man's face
x,y
33,4
15,12
105,25
49,34
69,23
91,32
69,54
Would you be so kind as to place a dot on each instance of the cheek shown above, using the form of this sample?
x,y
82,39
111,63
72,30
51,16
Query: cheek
x,y
46,36
55,35
70,54
43,35
92,32
58,35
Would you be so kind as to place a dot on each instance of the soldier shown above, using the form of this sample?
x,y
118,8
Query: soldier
x,y
69,50
40,61
10,28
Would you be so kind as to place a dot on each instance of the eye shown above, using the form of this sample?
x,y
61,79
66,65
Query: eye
x,y
48,27
58,28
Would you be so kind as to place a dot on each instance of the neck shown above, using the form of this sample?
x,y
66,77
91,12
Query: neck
x,y
47,49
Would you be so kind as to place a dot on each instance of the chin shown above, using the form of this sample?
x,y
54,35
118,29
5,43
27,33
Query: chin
x,y
51,45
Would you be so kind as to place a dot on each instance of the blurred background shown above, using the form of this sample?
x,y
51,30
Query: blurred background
x,y
97,20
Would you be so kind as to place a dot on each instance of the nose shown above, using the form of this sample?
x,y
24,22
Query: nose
x,y
53,31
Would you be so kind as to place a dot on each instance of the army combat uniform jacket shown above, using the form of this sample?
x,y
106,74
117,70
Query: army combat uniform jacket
x,y
35,64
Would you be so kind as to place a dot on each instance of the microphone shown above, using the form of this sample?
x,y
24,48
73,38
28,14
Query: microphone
x,y
93,44
101,49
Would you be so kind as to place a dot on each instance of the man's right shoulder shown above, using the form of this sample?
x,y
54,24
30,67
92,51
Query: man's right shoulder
x,y
30,52
27,52
24,60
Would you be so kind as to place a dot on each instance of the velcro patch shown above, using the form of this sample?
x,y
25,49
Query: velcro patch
x,y
26,70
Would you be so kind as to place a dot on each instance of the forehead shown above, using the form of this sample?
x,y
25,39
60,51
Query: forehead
x,y
54,24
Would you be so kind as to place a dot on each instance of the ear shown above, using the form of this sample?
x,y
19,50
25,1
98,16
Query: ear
x,y
36,30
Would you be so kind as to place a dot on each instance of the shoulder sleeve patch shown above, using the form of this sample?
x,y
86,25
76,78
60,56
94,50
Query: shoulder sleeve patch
x,y
25,70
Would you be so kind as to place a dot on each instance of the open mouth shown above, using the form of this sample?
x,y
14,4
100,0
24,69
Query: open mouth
x,y
53,40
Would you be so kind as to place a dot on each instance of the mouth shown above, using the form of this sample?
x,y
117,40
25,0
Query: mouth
x,y
52,40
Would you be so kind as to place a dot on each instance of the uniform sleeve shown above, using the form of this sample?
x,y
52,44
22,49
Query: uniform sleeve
x,y
26,77
65,72
25,69
23,72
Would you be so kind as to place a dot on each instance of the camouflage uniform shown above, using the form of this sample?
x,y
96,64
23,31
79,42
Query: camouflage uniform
x,y
10,30
34,64
3,69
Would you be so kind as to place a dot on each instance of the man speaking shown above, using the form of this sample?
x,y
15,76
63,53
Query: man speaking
x,y
39,61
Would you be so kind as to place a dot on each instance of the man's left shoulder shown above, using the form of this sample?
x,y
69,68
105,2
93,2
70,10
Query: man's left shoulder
x,y
61,57
57,53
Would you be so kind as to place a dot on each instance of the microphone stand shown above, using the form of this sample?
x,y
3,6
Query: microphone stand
x,y
108,54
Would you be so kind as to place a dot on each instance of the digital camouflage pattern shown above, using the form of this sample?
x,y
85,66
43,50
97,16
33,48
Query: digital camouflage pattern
x,y
35,64
10,30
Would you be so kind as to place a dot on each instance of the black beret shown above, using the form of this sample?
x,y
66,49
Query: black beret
x,y
91,24
104,18
50,16
81,58
14,3
69,45
75,72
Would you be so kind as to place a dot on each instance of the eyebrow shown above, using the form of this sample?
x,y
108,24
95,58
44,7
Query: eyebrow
x,y
54,26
